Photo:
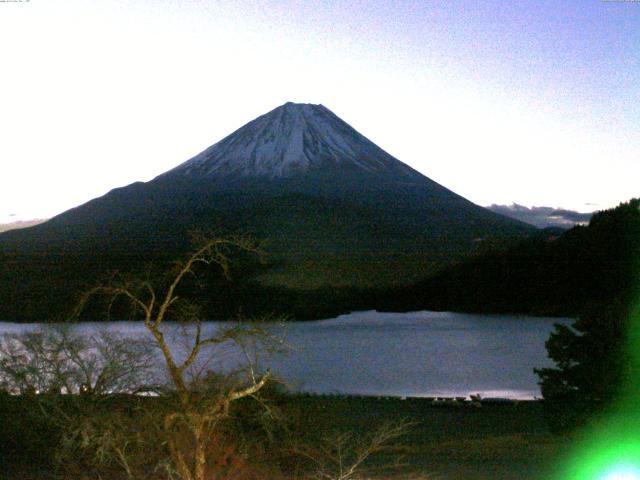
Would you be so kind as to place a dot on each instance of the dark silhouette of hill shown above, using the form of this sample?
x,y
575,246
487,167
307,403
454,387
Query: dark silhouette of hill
x,y
546,275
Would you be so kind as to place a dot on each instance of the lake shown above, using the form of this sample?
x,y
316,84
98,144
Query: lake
x,y
393,354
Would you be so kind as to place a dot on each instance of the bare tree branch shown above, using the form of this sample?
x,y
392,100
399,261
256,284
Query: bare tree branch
x,y
200,413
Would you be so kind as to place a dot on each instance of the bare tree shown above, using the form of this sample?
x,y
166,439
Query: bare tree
x,y
201,404
57,360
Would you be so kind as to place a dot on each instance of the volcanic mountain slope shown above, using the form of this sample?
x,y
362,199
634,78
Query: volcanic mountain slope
x,y
291,140
331,206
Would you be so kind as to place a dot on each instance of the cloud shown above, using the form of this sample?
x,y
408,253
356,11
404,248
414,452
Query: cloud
x,y
542,216
4,227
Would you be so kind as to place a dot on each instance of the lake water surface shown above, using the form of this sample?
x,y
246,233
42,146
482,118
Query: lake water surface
x,y
394,354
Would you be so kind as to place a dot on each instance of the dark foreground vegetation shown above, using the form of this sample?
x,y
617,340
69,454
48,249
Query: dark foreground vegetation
x,y
452,441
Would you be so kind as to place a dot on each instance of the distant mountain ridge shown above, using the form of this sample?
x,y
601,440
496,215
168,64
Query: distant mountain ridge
x,y
5,227
334,210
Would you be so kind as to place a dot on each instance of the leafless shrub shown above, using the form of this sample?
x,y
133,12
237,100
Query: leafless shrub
x,y
344,455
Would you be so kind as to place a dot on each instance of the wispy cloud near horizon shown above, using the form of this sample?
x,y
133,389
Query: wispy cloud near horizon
x,y
16,225
542,217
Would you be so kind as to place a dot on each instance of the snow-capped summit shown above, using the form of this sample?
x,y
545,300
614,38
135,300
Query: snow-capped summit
x,y
293,138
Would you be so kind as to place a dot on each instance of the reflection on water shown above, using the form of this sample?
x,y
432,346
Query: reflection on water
x,y
395,354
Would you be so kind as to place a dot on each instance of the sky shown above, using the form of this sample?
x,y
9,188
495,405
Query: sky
x,y
534,102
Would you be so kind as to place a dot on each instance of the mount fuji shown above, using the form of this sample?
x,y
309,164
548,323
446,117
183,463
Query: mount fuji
x,y
333,209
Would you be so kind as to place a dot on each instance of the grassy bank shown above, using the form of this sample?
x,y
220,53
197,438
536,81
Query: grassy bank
x,y
444,442
451,441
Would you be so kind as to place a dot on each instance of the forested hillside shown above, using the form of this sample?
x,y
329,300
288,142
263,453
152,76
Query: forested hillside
x,y
547,275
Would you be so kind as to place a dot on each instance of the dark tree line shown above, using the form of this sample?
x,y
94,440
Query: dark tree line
x,y
558,275
596,358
